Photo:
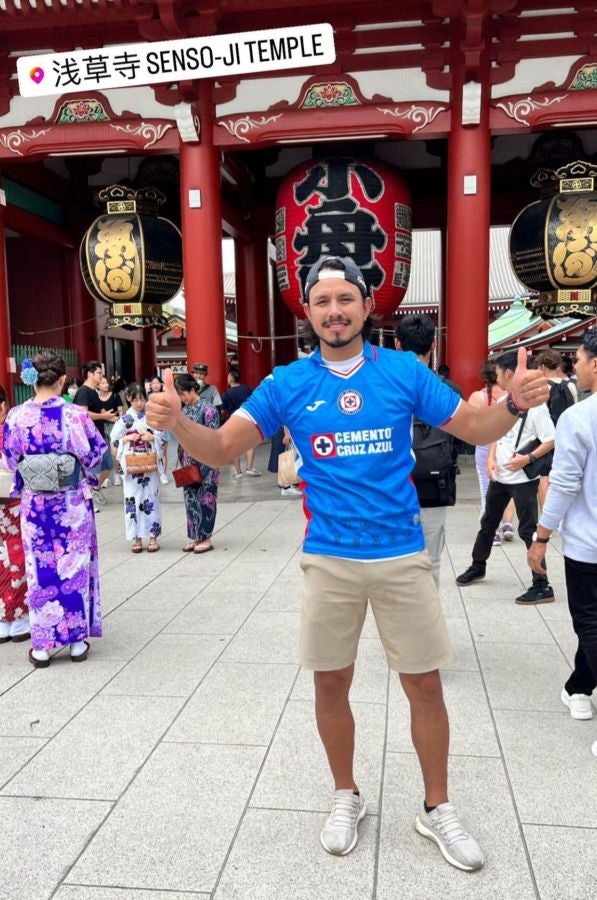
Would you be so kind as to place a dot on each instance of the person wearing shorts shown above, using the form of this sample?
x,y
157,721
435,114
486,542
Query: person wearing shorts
x,y
349,408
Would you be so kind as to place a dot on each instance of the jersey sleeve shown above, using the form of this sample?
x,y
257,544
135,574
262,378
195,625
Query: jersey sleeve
x,y
264,406
435,402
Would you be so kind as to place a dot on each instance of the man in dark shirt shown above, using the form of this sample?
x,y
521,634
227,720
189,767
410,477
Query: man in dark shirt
x,y
233,399
88,397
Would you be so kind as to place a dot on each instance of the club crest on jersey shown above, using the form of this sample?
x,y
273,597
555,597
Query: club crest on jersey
x,y
350,402
323,445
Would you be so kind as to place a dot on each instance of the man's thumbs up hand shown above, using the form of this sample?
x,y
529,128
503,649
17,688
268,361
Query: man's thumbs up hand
x,y
529,387
163,408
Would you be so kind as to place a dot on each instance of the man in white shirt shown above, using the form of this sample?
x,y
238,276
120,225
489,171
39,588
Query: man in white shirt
x,y
572,501
509,481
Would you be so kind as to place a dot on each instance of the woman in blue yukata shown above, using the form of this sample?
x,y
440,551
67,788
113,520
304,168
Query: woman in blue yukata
x,y
56,445
200,500
142,514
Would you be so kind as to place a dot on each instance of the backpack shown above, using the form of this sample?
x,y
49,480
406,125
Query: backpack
x,y
560,398
435,471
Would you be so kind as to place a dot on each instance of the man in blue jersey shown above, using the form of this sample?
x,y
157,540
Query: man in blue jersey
x,y
349,408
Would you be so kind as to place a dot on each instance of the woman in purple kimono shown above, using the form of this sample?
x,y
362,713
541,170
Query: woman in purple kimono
x,y
58,526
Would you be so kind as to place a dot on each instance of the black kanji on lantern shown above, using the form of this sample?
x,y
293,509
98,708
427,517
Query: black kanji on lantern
x,y
338,226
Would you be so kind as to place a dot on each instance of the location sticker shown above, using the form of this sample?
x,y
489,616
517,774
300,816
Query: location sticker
x,y
37,75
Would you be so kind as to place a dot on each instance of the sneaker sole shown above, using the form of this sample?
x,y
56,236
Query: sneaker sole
x,y
535,602
425,832
581,717
467,583
361,815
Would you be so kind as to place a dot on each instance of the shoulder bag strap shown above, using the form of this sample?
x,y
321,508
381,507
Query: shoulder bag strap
x,y
520,430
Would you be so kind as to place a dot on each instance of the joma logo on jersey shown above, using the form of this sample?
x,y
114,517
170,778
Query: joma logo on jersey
x,y
323,445
350,402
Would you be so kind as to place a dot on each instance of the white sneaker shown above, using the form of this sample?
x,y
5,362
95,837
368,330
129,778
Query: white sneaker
x,y
164,478
578,704
291,491
340,835
456,845
117,481
238,474
106,483
253,472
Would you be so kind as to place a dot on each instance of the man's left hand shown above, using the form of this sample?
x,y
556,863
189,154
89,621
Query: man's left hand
x,y
529,387
536,557
516,463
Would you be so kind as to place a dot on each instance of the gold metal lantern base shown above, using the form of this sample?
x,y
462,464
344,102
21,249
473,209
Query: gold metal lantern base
x,y
136,315
580,304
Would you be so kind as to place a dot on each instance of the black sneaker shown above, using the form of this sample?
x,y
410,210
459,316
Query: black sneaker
x,y
537,593
473,573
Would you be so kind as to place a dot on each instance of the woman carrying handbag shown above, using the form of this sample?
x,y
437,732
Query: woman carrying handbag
x,y
56,451
139,451
200,497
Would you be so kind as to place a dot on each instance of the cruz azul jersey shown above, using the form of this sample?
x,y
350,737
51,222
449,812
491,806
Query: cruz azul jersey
x,y
353,434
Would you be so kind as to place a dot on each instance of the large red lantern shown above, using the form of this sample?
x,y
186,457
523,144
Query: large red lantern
x,y
344,207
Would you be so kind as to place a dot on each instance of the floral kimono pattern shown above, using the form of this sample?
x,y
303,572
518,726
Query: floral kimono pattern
x,y
13,583
58,529
201,500
142,514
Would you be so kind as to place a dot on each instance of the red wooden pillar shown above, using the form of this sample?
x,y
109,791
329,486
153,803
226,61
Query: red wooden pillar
x,y
467,251
285,344
5,341
149,355
252,313
202,247
81,312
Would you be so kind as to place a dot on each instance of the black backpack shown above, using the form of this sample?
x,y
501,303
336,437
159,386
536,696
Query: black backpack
x,y
560,398
435,470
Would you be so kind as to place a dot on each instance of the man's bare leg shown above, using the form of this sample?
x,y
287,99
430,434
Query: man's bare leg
x,y
335,723
430,731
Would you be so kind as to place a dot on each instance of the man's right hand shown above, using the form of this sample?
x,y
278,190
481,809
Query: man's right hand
x,y
163,408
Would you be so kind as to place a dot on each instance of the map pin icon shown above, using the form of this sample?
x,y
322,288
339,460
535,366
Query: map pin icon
x,y
37,75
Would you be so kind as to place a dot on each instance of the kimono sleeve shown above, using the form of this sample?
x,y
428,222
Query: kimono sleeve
x,y
12,445
83,439
264,406
435,402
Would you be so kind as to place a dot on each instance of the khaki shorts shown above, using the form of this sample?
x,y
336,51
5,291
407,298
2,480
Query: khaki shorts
x,y
404,601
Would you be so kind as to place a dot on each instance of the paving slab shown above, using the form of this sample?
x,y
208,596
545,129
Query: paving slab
x,y
173,827
237,703
41,839
113,737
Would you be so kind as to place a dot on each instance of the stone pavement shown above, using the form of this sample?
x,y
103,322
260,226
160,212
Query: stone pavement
x,y
181,760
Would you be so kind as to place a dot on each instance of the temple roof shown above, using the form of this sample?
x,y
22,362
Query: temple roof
x,y
424,288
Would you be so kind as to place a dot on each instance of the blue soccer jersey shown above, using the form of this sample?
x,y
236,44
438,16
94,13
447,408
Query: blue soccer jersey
x,y
353,434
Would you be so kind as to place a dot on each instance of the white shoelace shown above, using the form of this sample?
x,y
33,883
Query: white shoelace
x,y
345,811
448,825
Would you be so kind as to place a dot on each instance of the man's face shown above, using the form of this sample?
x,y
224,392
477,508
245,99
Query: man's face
x,y
96,376
199,377
337,312
504,377
585,368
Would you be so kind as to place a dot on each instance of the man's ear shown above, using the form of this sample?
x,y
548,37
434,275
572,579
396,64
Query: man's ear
x,y
397,344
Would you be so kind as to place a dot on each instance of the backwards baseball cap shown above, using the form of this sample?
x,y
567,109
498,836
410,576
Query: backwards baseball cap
x,y
200,367
342,267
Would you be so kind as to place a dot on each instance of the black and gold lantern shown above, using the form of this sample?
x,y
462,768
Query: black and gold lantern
x,y
131,258
553,242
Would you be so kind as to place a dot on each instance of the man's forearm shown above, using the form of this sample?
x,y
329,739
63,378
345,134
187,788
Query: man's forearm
x,y
476,426
199,441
